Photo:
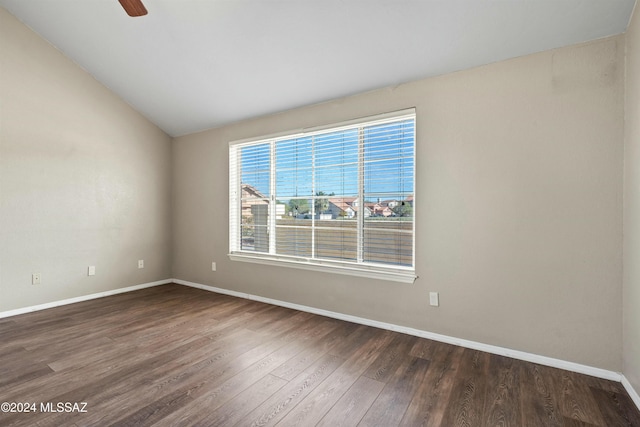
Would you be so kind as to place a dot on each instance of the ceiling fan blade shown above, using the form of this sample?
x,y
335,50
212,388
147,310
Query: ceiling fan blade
x,y
133,7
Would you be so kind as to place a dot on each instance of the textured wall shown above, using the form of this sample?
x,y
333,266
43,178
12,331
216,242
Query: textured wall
x,y
631,289
518,206
84,179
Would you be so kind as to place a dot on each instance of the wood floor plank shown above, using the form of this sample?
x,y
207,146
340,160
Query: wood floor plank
x,y
351,407
222,386
116,393
316,348
314,407
213,393
21,375
538,403
503,393
242,404
572,422
390,357
575,398
179,356
467,399
432,396
280,404
616,408
6,325
394,399
424,348
178,386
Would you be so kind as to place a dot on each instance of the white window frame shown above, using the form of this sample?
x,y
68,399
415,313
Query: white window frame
x,y
404,274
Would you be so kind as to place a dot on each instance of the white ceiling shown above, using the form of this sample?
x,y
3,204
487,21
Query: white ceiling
x,y
191,65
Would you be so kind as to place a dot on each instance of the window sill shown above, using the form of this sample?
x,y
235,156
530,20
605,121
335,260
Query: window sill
x,y
403,275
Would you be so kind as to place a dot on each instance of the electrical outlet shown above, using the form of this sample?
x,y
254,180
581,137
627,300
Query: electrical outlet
x,y
434,299
91,271
140,263
35,279
213,266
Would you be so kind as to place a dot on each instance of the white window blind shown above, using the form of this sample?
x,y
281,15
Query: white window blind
x,y
335,198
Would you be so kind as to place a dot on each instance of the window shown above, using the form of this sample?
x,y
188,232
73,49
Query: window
x,y
337,198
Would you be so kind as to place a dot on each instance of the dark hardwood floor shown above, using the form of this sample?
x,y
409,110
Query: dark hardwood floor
x,y
178,356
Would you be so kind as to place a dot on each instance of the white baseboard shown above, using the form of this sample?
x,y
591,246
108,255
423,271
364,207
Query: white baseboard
x,y
502,351
632,392
81,298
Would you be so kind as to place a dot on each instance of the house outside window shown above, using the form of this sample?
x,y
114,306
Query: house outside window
x,y
338,198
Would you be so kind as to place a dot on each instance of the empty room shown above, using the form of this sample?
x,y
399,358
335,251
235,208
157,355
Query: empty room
x,y
332,213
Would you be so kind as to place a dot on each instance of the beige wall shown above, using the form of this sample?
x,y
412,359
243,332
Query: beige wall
x,y
84,179
518,204
631,288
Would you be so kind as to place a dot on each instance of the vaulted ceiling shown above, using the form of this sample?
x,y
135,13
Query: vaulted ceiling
x,y
190,65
